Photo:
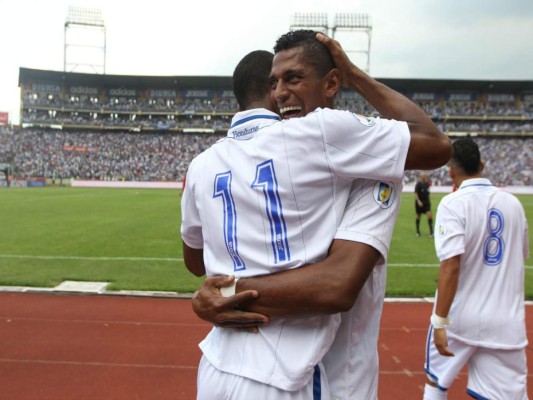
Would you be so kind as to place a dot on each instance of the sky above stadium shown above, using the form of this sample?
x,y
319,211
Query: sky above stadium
x,y
427,39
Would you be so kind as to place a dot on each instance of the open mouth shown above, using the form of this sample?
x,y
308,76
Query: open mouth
x,y
290,111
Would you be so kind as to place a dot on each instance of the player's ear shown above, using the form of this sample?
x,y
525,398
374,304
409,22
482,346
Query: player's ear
x,y
332,83
481,166
451,171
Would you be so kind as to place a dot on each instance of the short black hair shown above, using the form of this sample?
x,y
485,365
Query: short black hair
x,y
251,78
466,156
314,52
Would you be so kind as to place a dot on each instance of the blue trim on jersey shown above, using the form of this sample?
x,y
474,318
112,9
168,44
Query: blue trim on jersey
x,y
434,377
475,395
317,389
242,121
428,343
475,184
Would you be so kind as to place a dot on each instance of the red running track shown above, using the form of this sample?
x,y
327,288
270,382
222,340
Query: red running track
x,y
113,347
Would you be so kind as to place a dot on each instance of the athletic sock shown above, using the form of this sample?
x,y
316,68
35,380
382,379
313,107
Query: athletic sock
x,y
433,393
417,221
430,222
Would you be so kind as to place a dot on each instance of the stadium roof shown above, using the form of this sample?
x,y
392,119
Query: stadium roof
x,y
225,82
130,81
447,85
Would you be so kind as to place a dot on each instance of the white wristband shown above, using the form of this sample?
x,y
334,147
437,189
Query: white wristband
x,y
230,290
439,322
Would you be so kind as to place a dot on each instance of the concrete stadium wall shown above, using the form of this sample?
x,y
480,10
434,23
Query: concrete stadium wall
x,y
127,184
179,185
448,189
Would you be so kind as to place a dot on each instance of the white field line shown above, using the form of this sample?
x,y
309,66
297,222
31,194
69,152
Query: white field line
x,y
32,257
432,265
95,364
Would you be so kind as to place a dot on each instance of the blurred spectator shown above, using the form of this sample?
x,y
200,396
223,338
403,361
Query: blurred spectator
x,y
508,162
166,156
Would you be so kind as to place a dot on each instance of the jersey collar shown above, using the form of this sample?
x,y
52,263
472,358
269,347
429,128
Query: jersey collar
x,y
475,182
246,123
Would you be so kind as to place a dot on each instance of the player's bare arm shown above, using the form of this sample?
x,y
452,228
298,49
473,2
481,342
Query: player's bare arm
x,y
326,287
447,287
429,148
194,260
329,286
209,305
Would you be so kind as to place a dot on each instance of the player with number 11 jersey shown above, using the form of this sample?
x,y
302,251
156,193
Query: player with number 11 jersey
x,y
277,205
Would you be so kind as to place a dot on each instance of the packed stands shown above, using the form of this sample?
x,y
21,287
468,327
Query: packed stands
x,y
109,127
103,156
166,156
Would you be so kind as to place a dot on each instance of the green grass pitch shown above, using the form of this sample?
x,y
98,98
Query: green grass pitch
x,y
130,238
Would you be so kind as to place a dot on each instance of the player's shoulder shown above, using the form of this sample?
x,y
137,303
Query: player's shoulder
x,y
342,121
453,198
202,157
343,114
509,198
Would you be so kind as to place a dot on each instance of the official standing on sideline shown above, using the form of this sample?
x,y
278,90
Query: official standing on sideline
x,y
422,203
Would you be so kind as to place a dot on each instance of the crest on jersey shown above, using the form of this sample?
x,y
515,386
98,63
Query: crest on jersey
x,y
366,121
442,230
384,194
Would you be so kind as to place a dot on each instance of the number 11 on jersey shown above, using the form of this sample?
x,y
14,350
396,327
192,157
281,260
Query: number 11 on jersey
x,y
265,180
223,189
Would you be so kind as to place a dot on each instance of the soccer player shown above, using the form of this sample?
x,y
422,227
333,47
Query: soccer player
x,y
422,203
478,319
292,215
335,283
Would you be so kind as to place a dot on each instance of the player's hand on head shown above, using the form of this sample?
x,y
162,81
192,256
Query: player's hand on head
x,y
209,305
340,58
440,338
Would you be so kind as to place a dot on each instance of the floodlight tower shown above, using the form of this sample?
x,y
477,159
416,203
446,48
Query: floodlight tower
x,y
354,32
314,21
85,40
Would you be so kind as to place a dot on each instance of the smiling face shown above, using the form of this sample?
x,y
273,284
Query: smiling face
x,y
296,85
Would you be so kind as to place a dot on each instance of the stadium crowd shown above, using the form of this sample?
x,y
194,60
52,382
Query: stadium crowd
x,y
103,156
165,156
215,113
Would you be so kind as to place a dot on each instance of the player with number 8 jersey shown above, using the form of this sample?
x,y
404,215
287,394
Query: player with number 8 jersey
x,y
485,310
481,239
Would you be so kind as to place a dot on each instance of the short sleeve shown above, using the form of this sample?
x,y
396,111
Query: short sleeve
x,y
191,227
364,147
449,232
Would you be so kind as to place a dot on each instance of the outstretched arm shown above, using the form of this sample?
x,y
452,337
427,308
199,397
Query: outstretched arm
x,y
429,148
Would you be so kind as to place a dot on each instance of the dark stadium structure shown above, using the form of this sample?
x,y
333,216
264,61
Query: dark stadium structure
x,y
205,104
146,128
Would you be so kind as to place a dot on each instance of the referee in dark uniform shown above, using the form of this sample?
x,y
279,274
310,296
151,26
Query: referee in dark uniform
x,y
422,203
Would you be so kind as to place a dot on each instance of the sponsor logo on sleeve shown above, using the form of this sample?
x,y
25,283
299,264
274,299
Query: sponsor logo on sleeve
x,y
383,194
442,230
366,121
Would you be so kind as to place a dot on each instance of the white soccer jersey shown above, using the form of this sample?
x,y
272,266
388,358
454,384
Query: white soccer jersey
x,y
488,228
270,197
352,362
